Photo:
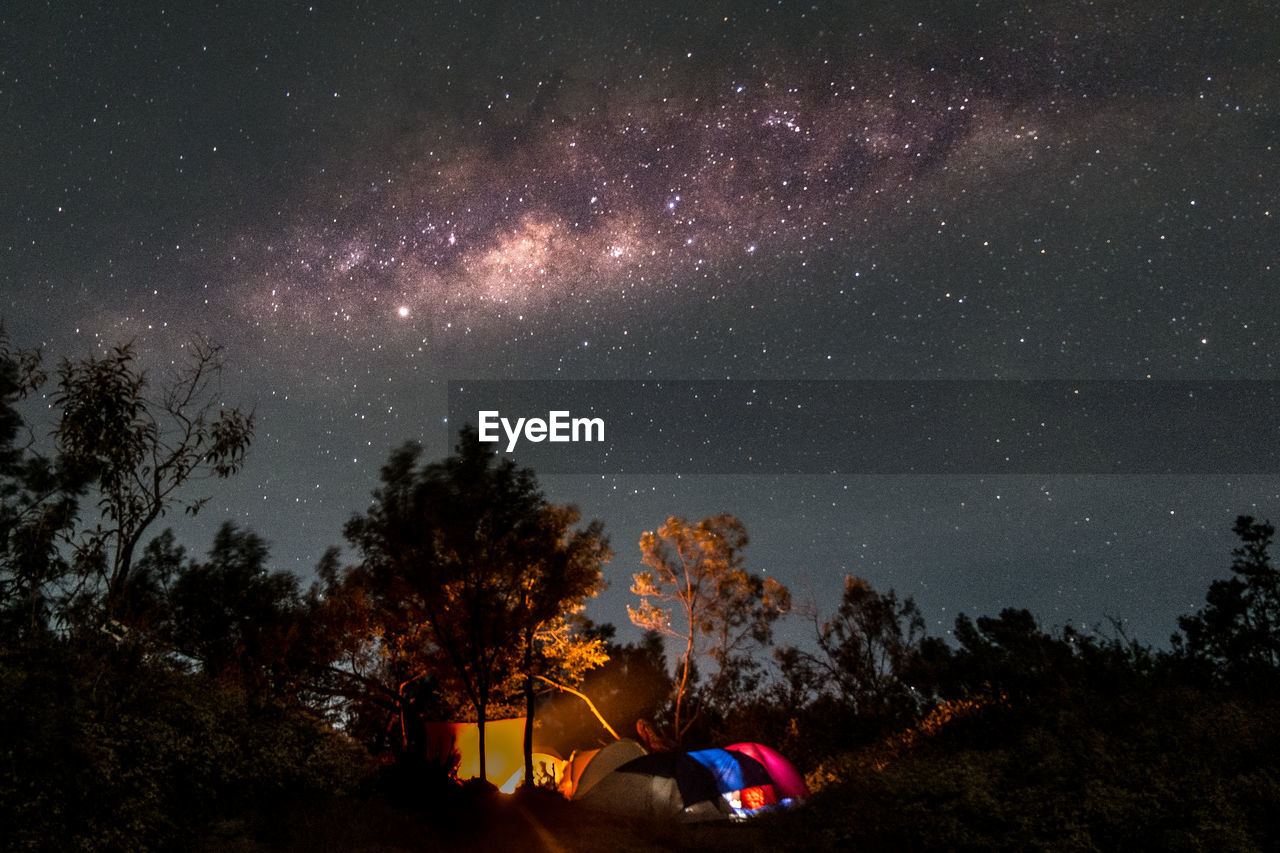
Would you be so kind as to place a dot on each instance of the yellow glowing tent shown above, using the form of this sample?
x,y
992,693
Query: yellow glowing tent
x,y
504,748
548,771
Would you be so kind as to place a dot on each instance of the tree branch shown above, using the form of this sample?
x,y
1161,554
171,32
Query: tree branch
x,y
585,698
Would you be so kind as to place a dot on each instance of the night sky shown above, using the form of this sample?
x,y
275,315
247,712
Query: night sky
x,y
365,201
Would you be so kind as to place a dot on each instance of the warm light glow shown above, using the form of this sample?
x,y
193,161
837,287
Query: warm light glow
x,y
548,770
504,750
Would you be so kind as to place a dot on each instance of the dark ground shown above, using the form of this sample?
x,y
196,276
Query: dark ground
x,y
530,822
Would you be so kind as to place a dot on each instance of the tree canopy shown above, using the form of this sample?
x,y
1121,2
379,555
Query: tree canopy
x,y
698,592
38,503
138,445
863,651
463,563
1238,629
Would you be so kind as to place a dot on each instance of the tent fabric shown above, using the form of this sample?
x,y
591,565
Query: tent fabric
x,y
634,795
694,781
743,782
548,769
732,771
578,764
702,785
665,785
588,768
503,747
787,781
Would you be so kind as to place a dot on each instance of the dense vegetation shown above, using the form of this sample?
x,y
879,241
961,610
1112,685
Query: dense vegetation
x,y
154,700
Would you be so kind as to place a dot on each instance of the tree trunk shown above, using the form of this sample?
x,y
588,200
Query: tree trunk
x,y
528,708
684,680
480,709
528,731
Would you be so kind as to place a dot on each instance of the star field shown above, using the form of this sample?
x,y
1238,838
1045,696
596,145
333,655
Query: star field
x,y
365,201
642,188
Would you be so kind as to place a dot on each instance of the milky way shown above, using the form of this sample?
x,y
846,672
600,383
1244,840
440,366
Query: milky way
x,y
366,201
612,201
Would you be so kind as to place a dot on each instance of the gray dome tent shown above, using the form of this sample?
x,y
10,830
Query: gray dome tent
x,y
664,784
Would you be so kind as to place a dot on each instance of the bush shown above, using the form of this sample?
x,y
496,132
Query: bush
x,y
1164,768
110,755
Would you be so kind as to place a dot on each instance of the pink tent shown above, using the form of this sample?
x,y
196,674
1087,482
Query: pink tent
x,y
787,781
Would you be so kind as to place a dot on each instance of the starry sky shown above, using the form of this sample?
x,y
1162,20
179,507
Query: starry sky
x,y
366,201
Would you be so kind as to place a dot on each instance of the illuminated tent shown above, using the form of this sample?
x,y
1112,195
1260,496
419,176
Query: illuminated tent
x,y
585,769
710,784
742,782
788,784
503,746
663,784
548,771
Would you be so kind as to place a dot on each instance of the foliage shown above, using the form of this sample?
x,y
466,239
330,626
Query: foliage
x,y
863,650
113,744
38,504
1237,632
463,563
631,684
556,584
105,754
720,609
1057,740
138,449
241,622
1138,767
364,689
1008,654
558,656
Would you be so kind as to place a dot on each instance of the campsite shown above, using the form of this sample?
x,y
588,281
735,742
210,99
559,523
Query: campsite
x,y
560,426
442,689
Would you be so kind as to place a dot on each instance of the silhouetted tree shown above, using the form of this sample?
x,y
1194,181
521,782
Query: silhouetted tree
x,y
146,606
463,561
721,609
138,446
361,686
37,504
239,620
1009,656
561,571
863,649
638,678
1238,629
